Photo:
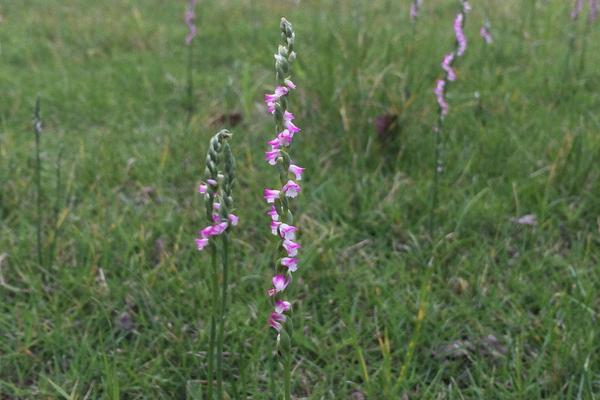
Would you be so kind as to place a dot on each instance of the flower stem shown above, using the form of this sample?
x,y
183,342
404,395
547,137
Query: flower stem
x,y
272,364
190,81
225,257
437,171
287,370
213,320
38,179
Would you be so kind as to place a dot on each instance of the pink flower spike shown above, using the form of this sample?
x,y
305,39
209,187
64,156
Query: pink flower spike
x,y
234,219
289,84
593,15
439,94
271,98
291,263
486,35
282,306
291,189
216,218
291,247
270,195
281,91
189,21
415,7
275,227
287,231
202,188
201,243
285,137
414,13
275,144
297,171
216,206
447,66
577,9
271,156
460,35
211,182
273,214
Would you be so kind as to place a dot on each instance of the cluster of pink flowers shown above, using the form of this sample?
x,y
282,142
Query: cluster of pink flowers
x,y
285,137
189,17
593,15
415,9
440,97
577,9
219,223
291,189
485,33
279,199
447,66
461,39
450,74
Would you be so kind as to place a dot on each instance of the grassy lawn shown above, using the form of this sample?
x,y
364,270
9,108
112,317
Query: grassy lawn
x,y
486,308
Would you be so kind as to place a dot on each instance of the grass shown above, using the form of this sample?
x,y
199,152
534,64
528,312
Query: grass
x,y
125,308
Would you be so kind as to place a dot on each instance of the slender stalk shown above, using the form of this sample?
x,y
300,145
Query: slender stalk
x,y
217,190
220,338
438,168
57,205
287,366
272,366
586,33
190,16
190,81
213,322
38,178
281,213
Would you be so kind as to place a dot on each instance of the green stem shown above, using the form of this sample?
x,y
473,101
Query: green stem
x,y
437,171
272,363
190,83
287,370
213,320
38,179
57,206
225,259
583,48
38,183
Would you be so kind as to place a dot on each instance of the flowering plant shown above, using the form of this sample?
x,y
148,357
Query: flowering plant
x,y
217,190
280,213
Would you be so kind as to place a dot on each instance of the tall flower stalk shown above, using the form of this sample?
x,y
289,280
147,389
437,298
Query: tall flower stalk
x,y
37,129
441,87
415,11
189,18
280,199
485,32
217,190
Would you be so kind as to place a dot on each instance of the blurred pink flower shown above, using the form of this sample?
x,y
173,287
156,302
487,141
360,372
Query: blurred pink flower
x,y
189,18
439,94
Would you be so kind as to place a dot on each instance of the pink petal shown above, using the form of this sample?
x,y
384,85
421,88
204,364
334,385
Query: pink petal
x,y
201,243
296,170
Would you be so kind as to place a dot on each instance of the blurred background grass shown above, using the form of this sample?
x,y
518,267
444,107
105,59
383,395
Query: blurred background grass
x,y
119,309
